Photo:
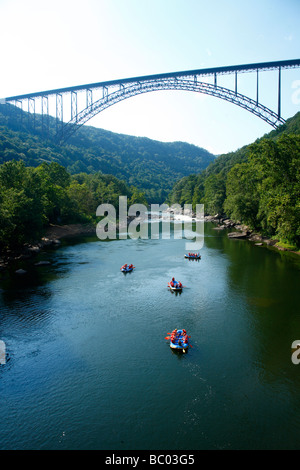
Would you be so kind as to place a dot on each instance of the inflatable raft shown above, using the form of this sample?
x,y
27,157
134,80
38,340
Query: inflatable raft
x,y
179,340
192,256
127,268
175,286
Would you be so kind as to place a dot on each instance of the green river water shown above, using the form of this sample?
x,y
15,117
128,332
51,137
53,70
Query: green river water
x,y
87,363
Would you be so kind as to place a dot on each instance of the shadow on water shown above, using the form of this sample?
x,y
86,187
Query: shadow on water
x,y
58,262
176,292
267,281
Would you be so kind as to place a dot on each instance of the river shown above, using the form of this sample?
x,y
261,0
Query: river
x,y
87,363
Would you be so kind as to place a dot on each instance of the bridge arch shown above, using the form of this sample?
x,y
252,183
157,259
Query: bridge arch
x,y
126,91
114,91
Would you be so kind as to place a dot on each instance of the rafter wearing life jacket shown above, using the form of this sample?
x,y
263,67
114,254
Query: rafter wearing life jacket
x,y
173,335
174,283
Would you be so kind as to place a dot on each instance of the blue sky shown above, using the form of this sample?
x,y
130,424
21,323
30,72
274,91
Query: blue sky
x,y
58,43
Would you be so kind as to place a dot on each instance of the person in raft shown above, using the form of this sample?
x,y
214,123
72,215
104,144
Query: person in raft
x,y
173,335
174,283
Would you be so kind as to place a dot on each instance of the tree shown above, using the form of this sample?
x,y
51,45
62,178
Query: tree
x,y
54,183
214,190
137,197
21,208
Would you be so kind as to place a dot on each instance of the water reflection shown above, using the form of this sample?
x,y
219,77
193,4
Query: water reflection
x,y
268,281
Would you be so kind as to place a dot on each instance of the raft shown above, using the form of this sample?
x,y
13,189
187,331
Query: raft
x,y
178,342
175,288
192,257
127,269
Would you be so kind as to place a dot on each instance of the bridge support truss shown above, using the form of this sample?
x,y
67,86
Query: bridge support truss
x,y
112,92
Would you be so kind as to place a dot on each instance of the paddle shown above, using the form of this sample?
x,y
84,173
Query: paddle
x,y
168,337
171,333
188,346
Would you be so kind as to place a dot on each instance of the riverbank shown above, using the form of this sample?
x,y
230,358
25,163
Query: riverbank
x,y
55,233
243,232
51,239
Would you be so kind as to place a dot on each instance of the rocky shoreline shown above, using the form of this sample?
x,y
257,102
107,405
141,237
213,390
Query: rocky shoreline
x,y
51,239
243,232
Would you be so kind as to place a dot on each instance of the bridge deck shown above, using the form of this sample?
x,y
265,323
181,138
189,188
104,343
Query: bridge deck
x,y
199,72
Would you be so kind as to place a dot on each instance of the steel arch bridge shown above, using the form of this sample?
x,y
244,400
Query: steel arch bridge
x,y
114,91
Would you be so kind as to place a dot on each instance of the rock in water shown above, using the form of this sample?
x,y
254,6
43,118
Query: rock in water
x,y
237,235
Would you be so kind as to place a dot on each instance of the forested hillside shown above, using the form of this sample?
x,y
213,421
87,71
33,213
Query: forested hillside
x,y
32,198
259,185
151,166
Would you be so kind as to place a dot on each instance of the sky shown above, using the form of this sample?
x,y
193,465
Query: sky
x,y
59,43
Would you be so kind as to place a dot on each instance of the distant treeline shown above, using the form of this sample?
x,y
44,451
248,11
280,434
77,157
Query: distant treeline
x,y
32,198
258,185
150,165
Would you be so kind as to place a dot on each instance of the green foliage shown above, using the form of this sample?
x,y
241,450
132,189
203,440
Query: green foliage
x,y
279,186
32,198
137,197
214,194
242,198
189,190
21,208
258,185
151,166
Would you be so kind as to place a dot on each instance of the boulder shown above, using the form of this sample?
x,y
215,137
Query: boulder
x,y
20,271
46,241
228,222
237,235
42,263
33,249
